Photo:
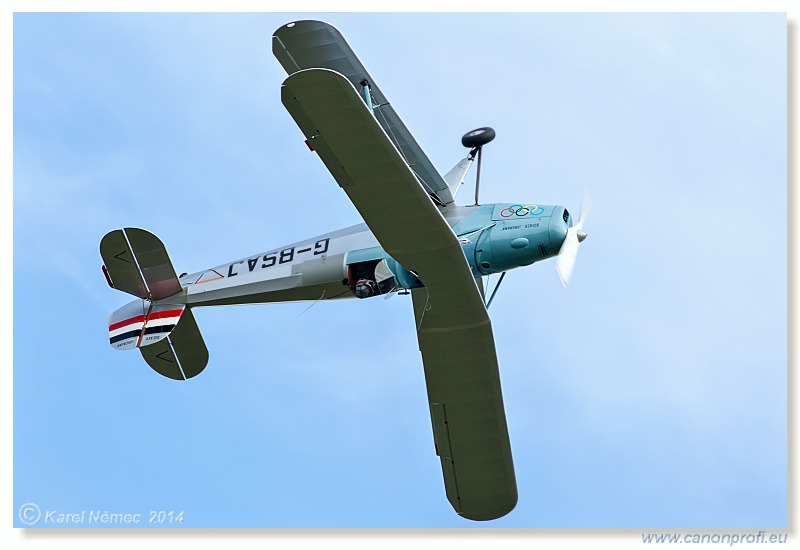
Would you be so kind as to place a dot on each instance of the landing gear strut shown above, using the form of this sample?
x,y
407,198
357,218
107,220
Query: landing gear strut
x,y
476,139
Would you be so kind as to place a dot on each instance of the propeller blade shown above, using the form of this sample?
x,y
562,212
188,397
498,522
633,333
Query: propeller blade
x,y
586,203
565,262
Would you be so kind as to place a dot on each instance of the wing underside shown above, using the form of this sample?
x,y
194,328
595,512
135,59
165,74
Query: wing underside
x,y
453,327
467,413
315,44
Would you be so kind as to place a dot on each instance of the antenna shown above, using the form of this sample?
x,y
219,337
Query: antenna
x,y
476,139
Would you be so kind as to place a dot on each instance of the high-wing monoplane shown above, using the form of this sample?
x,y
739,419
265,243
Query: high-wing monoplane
x,y
424,245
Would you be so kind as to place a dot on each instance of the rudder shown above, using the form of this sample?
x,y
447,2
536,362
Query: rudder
x,y
141,323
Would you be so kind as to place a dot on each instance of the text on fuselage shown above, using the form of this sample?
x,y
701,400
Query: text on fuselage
x,y
285,256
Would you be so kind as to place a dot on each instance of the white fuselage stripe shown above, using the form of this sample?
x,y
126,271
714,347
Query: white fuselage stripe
x,y
126,328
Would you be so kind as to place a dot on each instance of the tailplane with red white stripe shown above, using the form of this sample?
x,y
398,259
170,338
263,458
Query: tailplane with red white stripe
x,y
136,262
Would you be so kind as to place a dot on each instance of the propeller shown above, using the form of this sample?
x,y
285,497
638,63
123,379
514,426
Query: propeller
x,y
565,262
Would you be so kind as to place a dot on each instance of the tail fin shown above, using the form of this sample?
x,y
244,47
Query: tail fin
x,y
136,262
166,334
140,324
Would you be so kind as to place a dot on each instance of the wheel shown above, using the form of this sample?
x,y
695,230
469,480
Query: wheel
x,y
477,138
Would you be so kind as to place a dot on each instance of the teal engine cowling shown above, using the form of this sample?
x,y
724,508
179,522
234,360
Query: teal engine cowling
x,y
519,235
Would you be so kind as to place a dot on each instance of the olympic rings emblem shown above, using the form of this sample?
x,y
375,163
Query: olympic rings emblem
x,y
520,211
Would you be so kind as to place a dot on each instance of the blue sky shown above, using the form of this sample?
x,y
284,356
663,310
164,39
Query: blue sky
x,y
652,393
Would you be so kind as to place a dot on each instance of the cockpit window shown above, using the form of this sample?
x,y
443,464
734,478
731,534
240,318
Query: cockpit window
x,y
566,216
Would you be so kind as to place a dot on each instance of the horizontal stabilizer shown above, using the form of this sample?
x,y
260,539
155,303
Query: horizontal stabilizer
x,y
136,262
121,265
182,354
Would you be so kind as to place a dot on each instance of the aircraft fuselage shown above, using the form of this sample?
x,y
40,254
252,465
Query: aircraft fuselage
x,y
494,237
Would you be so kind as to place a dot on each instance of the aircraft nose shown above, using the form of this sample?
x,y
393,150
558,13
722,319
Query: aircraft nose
x,y
581,235
558,232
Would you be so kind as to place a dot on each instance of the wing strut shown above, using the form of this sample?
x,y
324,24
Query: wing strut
x,y
502,275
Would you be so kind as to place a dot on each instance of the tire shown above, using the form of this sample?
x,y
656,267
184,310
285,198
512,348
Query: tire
x,y
477,138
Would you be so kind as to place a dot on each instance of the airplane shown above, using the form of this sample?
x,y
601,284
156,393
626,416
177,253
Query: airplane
x,y
415,240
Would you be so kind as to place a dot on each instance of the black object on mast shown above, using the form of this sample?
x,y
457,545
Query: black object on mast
x,y
476,139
